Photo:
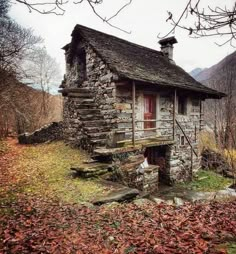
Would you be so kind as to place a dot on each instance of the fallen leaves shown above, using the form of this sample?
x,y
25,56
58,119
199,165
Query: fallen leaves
x,y
32,223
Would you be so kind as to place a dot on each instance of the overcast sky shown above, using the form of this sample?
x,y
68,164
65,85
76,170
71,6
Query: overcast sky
x,y
144,18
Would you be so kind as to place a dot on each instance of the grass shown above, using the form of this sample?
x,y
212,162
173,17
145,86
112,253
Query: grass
x,y
208,181
45,170
230,247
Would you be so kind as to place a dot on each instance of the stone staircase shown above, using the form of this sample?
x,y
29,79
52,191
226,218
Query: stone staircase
x,y
94,126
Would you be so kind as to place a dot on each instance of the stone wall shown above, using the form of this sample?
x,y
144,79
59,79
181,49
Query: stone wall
x,y
126,166
89,114
50,132
178,158
95,106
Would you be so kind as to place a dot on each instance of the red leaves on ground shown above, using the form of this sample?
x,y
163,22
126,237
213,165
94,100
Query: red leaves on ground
x,y
52,228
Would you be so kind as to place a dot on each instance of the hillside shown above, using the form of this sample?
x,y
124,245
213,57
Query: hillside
x,y
217,70
221,114
195,72
24,108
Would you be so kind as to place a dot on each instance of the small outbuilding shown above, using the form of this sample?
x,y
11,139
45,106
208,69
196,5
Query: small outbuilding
x,y
122,100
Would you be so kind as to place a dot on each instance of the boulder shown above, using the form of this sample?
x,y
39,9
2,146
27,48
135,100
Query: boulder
x,y
142,201
88,170
178,201
124,194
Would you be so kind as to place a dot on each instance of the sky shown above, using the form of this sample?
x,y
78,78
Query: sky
x,y
144,18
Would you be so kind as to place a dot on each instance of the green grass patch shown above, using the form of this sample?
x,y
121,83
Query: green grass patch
x,y
45,170
229,248
208,181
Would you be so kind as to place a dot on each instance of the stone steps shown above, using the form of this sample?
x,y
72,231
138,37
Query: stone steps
x,y
96,129
99,142
80,95
94,123
91,117
94,169
98,135
89,111
86,106
82,101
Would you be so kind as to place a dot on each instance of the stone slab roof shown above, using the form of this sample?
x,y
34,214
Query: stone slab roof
x,y
139,63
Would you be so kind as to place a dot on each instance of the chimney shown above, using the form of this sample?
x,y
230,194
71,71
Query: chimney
x,y
167,47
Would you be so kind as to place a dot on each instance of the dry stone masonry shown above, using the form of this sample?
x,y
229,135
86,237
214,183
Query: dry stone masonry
x,y
101,73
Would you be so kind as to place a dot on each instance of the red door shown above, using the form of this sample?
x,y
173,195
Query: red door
x,y
149,111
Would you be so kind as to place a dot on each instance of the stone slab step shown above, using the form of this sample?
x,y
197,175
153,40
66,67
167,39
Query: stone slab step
x,y
88,111
99,141
91,117
121,195
89,170
94,123
80,95
81,101
101,135
96,129
86,106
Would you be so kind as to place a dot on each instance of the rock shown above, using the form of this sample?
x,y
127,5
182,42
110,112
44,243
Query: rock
x,y
111,205
87,204
225,194
91,169
169,202
199,196
49,132
178,201
142,201
158,200
118,196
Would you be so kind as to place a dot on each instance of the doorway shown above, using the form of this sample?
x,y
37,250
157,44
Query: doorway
x,y
157,155
149,111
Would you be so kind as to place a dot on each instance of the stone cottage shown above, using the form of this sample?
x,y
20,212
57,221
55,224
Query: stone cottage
x,y
122,100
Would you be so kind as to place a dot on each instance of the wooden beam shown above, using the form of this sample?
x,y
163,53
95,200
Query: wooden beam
x,y
174,109
133,113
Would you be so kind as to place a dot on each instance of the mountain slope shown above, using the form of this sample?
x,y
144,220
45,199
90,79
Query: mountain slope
x,y
218,69
24,108
195,72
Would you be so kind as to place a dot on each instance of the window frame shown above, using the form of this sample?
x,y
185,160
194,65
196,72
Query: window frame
x,y
183,110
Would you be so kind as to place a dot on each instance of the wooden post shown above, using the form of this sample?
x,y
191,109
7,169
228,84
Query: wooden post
x,y
174,108
133,113
191,163
200,122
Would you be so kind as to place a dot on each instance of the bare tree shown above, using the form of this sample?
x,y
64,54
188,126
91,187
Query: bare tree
x,y
222,113
42,70
57,7
206,21
16,43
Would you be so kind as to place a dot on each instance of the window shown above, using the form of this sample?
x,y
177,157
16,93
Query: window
x,y
182,106
195,102
82,75
196,105
182,141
